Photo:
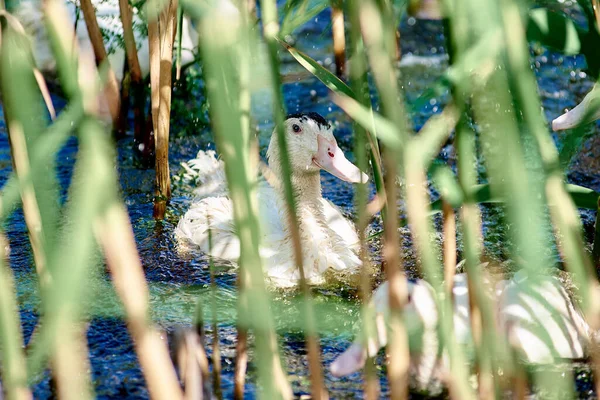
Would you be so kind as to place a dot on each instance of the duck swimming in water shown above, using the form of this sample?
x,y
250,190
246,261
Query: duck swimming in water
x,y
585,112
533,311
108,16
329,240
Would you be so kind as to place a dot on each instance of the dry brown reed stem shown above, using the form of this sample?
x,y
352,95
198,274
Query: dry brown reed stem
x,y
397,350
115,236
189,372
14,370
31,211
318,389
339,38
129,39
376,204
371,385
161,39
518,379
245,276
20,158
70,357
241,360
270,33
71,382
418,151
136,81
216,355
154,48
193,364
596,7
363,141
567,224
216,361
376,28
417,201
111,90
449,230
471,221
45,93
398,48
70,364
251,4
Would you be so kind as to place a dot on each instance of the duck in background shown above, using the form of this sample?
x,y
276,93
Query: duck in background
x,y
585,112
30,14
329,240
535,314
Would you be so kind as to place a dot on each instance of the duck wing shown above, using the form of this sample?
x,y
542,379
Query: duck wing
x,y
215,214
207,172
340,225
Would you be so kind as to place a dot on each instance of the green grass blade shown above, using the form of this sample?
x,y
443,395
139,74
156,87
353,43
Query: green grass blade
x,y
554,30
19,87
14,372
225,48
384,129
298,12
270,19
320,72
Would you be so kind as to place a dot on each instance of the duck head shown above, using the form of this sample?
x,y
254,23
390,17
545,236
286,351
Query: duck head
x,y
312,147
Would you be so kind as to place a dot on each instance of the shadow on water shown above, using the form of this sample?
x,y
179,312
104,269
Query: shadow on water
x,y
176,280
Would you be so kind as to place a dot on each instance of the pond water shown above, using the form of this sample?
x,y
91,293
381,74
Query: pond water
x,y
177,280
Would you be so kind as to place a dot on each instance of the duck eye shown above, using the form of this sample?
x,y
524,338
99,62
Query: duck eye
x,y
296,128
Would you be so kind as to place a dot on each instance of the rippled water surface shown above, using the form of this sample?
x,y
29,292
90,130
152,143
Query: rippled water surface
x,y
177,280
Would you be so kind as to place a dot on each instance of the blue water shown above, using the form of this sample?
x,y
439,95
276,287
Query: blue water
x,y
176,280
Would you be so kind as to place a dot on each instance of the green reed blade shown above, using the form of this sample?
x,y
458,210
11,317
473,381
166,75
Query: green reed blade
x,y
72,259
338,86
225,48
555,30
270,34
42,154
19,87
14,372
447,185
298,12
379,35
383,128
359,85
320,72
564,215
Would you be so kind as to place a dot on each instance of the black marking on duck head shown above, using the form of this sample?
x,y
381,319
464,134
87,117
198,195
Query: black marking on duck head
x,y
318,118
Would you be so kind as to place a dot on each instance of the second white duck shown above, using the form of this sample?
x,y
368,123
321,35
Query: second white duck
x,y
535,313
329,241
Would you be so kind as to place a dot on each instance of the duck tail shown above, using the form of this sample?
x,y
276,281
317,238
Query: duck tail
x,y
208,173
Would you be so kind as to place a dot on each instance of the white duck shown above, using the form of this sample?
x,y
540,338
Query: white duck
x,y
329,241
421,319
535,313
30,14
